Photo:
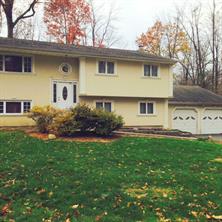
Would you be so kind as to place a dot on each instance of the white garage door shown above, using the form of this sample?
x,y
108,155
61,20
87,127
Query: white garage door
x,y
212,121
185,120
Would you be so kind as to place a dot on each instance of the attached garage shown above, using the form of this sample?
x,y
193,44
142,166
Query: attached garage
x,y
212,121
185,120
195,110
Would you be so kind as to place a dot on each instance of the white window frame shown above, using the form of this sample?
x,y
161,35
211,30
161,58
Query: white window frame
x,y
106,74
151,76
147,114
105,101
15,114
23,64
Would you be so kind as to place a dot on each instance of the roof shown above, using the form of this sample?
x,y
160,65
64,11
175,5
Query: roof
x,y
77,50
194,95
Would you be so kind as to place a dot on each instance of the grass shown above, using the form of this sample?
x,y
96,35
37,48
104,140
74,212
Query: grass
x,y
132,179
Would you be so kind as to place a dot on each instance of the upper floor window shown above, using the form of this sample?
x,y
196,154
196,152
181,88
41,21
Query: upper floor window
x,y
13,63
151,70
107,106
146,108
106,67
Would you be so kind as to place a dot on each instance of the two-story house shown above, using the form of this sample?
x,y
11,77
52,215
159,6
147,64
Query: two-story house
x,y
131,83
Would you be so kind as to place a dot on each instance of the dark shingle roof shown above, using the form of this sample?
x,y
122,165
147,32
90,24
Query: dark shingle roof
x,y
88,51
194,95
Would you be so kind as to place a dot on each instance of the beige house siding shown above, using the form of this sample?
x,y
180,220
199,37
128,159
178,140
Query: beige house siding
x,y
36,86
129,109
124,89
128,81
16,121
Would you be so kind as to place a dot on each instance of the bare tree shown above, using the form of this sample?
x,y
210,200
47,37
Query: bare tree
x,y
215,45
196,62
8,5
102,30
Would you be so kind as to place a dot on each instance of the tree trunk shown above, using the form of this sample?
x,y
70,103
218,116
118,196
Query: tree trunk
x,y
10,29
8,13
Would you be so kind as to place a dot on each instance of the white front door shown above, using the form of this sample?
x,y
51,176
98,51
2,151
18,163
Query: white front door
x,y
64,94
185,120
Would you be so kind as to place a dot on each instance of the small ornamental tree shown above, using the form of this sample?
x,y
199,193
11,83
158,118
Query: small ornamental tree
x,y
66,20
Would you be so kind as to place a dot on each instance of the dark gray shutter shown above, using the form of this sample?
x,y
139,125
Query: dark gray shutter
x,y
74,94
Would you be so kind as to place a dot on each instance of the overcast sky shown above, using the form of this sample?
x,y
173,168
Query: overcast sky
x,y
135,16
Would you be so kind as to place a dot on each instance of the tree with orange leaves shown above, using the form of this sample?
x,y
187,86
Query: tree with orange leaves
x,y
165,40
66,20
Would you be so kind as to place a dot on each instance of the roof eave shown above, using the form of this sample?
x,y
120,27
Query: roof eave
x,y
89,55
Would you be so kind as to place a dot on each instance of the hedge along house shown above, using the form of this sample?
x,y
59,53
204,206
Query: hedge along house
x,y
196,110
131,83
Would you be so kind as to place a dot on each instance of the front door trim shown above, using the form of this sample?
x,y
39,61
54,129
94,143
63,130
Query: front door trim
x,y
74,82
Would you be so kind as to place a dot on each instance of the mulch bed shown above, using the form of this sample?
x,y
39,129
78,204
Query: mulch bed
x,y
77,138
32,131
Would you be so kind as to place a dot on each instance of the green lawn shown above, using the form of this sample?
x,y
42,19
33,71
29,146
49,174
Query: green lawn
x,y
131,179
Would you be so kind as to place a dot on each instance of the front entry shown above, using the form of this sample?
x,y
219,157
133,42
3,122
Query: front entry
x,y
64,94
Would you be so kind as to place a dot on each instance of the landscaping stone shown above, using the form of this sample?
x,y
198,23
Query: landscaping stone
x,y
51,136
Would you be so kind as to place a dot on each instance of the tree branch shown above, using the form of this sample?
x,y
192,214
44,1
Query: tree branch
x,y
23,15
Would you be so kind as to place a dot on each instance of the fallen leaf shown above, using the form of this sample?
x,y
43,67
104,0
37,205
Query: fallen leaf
x,y
75,206
219,217
6,209
41,191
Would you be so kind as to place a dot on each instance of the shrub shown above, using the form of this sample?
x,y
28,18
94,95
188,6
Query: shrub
x,y
84,118
106,122
63,124
43,116
81,118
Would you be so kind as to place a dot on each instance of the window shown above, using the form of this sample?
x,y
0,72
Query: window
x,y
146,108
26,107
27,64
151,70
107,106
105,67
1,107
14,107
146,70
110,67
102,67
12,63
65,68
99,105
1,63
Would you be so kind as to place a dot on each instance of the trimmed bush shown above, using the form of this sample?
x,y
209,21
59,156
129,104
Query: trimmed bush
x,y
63,124
106,122
43,116
81,118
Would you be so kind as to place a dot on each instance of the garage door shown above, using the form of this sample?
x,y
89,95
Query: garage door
x,y
185,120
212,121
